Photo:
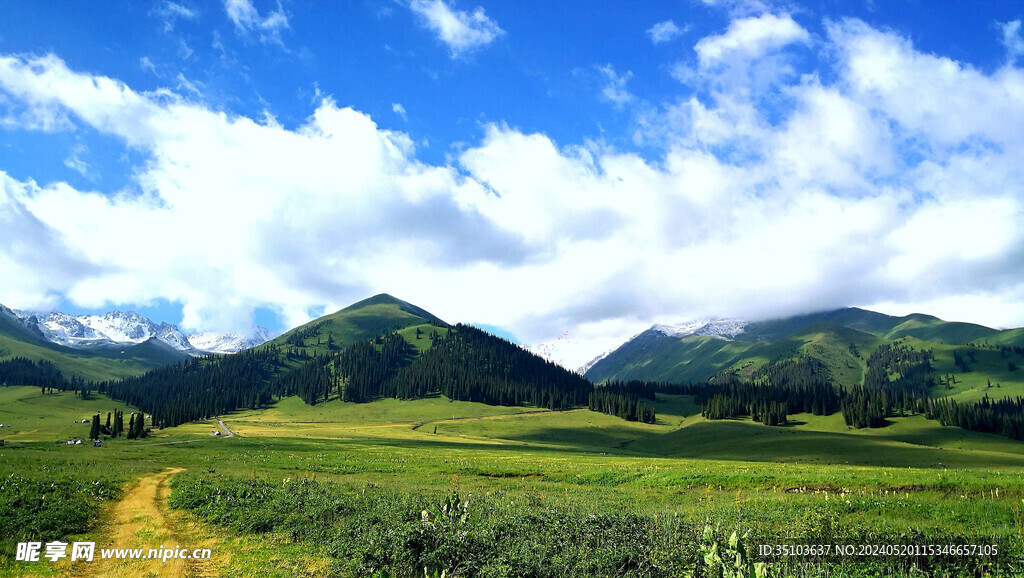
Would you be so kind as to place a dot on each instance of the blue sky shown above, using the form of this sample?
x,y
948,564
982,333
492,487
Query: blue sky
x,y
561,171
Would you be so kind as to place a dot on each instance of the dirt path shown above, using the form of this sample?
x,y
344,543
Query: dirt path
x,y
227,433
142,520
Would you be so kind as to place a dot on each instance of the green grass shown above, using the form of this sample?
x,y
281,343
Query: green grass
x,y
423,341
991,366
29,415
382,418
362,320
94,366
377,465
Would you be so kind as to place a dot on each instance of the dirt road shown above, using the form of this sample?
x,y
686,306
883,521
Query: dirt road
x,y
141,519
227,433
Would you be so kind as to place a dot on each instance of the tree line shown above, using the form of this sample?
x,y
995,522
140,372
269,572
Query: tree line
x,y
466,364
624,400
772,392
201,387
23,371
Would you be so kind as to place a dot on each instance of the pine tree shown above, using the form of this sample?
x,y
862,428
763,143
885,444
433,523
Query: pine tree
x,y
118,423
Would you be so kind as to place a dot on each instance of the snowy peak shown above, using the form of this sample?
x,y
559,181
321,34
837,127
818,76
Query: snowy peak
x,y
554,350
230,342
127,327
720,328
114,327
586,366
570,353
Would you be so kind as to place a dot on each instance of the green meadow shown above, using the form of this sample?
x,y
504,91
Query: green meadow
x,y
341,489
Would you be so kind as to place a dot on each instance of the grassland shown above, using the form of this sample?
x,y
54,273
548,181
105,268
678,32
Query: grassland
x,y
617,486
29,415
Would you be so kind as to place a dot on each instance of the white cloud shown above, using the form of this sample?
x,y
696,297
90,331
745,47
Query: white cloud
x,y
614,89
947,102
750,38
839,193
664,31
462,31
247,20
1013,41
398,109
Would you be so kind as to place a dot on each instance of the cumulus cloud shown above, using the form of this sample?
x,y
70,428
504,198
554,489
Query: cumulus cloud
x,y
664,31
750,38
892,178
248,21
462,31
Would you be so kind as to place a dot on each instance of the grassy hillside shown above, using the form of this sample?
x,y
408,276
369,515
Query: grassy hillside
x,y
657,357
362,320
989,373
842,339
28,415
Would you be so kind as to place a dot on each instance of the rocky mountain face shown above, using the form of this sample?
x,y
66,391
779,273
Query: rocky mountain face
x,y
127,327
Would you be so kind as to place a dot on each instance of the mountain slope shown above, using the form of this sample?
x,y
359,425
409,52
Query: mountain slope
x,y
111,361
361,320
379,347
842,339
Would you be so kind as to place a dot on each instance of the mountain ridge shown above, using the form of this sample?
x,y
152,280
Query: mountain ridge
x,y
119,328
680,353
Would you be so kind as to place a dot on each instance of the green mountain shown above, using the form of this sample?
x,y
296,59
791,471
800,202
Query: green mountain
x,y
380,347
19,340
842,339
359,321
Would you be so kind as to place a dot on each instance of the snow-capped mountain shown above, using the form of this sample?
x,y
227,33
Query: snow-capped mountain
x,y
115,327
571,353
554,350
127,327
720,328
230,342
586,366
